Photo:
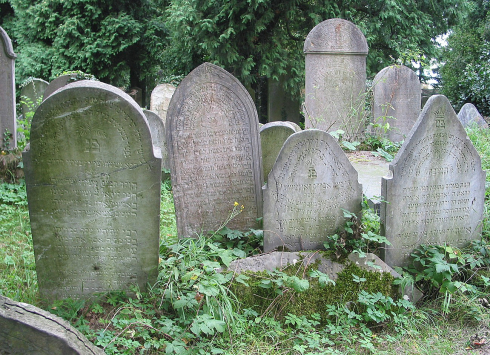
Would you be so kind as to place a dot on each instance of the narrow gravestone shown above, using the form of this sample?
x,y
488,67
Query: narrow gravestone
x,y
436,190
214,150
157,130
7,92
397,97
58,83
31,94
25,329
160,99
272,137
93,187
469,115
309,185
335,78
280,105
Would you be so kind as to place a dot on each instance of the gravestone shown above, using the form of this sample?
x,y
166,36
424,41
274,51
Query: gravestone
x,y
157,130
59,82
25,329
296,126
214,152
272,137
7,92
93,187
280,105
136,94
436,190
397,97
31,95
335,77
160,99
469,115
309,185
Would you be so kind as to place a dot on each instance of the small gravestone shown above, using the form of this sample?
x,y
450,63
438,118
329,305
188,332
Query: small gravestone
x,y
469,115
7,92
436,190
397,97
272,137
296,126
335,78
280,105
25,329
157,129
59,82
93,187
309,185
160,99
31,94
214,150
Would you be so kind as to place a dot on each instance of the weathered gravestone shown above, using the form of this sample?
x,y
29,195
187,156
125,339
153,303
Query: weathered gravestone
x,y
25,329
7,92
280,105
157,130
309,185
31,94
160,99
214,150
469,115
93,187
436,190
58,83
335,78
397,97
272,137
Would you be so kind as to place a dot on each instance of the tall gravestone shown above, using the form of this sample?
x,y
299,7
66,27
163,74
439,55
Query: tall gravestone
x,y
309,185
214,150
335,77
93,187
280,105
469,115
436,190
157,130
160,99
31,94
272,137
397,98
7,92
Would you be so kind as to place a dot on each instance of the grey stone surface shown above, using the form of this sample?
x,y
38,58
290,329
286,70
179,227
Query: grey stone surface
x,y
93,187
31,94
214,150
280,105
469,114
158,137
397,99
310,183
25,329
160,99
296,126
370,169
58,83
436,191
7,90
335,77
272,137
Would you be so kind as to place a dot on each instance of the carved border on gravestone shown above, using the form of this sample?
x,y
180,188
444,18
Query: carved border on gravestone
x,y
93,185
26,329
214,152
436,190
311,182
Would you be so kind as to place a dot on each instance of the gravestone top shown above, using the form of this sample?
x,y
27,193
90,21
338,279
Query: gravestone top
x,y
436,191
93,186
469,114
26,329
7,44
160,99
8,122
336,36
272,137
214,152
31,93
157,129
58,83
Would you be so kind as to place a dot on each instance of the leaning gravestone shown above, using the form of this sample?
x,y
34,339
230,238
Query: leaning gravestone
x,y
335,79
31,94
93,187
397,97
157,130
436,190
160,99
214,150
309,185
272,137
469,115
25,329
7,92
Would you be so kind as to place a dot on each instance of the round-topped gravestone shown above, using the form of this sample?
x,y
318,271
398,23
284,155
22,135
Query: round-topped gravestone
x,y
8,125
